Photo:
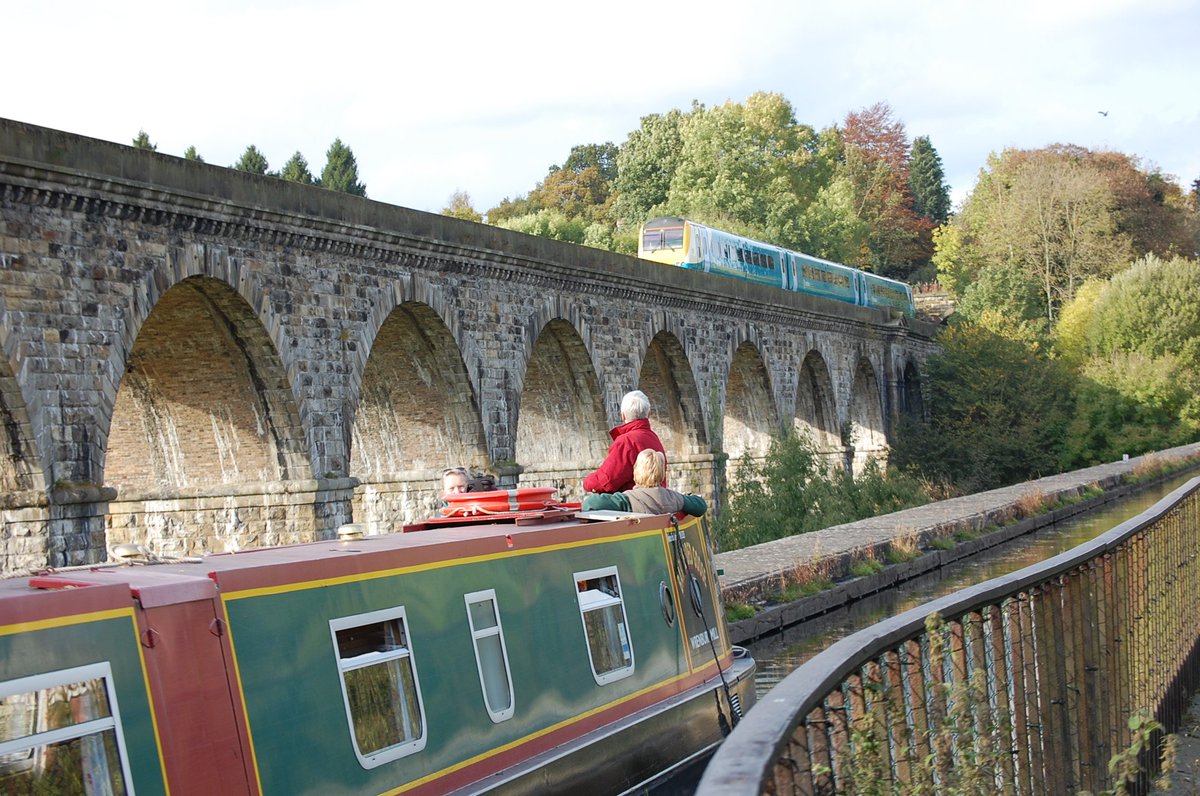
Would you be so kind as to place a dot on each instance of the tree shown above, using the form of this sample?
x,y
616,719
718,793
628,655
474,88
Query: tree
x,y
1048,212
1148,207
1152,308
574,193
143,142
459,206
646,164
751,166
601,156
191,154
296,170
252,160
927,182
875,162
341,170
998,412
551,224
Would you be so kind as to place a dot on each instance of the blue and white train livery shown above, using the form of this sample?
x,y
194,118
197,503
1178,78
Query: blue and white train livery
x,y
688,244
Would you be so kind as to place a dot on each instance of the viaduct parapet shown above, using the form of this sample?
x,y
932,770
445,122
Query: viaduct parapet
x,y
198,359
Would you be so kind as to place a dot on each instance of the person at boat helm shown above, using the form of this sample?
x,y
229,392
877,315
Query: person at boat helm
x,y
648,496
631,437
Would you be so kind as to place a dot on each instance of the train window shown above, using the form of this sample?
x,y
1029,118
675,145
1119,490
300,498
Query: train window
x,y
491,654
603,612
379,685
61,729
656,238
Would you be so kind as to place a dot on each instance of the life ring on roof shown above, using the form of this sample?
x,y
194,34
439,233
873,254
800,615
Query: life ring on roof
x,y
498,501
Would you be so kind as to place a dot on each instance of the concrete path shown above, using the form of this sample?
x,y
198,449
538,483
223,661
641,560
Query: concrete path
x,y
752,573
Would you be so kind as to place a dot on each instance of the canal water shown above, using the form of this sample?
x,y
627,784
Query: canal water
x,y
779,654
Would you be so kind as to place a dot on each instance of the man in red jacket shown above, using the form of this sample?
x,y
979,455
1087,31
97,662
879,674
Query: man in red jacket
x,y
629,439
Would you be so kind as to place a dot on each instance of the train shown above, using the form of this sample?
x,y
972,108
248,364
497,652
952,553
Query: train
x,y
688,244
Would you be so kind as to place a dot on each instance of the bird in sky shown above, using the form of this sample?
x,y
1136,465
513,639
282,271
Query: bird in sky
x,y
1102,113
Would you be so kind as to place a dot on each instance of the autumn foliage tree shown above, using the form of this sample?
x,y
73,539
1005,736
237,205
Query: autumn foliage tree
x,y
876,163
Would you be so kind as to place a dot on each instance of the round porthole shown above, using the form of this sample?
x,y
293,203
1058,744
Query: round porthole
x,y
667,601
696,594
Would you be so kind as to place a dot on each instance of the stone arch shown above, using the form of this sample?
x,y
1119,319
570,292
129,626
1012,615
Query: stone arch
x,y
561,432
410,289
750,420
676,414
417,414
867,436
20,460
204,406
911,395
816,407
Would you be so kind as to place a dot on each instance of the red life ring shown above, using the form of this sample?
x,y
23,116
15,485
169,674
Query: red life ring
x,y
498,501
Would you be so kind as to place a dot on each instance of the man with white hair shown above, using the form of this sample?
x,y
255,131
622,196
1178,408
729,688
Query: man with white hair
x,y
629,439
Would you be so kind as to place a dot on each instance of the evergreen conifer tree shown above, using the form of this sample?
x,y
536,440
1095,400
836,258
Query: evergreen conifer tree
x,y
252,161
927,181
296,170
341,170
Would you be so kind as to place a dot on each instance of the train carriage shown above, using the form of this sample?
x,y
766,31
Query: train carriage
x,y
687,244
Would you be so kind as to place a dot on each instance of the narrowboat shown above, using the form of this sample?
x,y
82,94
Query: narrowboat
x,y
529,651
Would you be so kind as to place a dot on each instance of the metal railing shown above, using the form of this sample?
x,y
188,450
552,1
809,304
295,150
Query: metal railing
x,y
1024,684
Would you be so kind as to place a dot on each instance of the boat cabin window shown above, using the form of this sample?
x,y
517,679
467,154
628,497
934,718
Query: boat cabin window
x,y
603,612
491,655
60,730
379,685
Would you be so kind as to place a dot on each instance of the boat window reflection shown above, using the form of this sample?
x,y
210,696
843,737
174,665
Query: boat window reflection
x,y
603,612
60,730
379,685
491,654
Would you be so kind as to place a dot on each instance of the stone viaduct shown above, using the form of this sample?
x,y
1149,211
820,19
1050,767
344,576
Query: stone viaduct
x,y
197,359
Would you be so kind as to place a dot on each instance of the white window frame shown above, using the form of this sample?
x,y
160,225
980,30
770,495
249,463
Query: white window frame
x,y
344,665
590,602
61,677
474,598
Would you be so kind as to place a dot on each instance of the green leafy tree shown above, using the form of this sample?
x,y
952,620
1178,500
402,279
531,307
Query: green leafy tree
x,y
1006,290
1152,308
551,224
601,156
1074,322
1132,403
1048,212
459,206
998,412
792,492
296,170
142,141
191,154
927,182
646,164
831,227
584,193
341,170
954,271
252,160
751,164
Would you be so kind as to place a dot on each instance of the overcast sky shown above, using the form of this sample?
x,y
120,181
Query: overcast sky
x,y
485,96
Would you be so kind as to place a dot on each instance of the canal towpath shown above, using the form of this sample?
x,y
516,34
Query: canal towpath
x,y
758,574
